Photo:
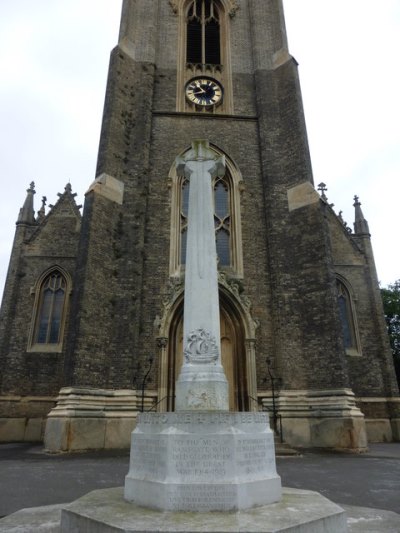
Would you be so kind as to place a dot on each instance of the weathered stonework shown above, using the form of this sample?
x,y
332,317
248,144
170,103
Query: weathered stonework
x,y
121,329
92,419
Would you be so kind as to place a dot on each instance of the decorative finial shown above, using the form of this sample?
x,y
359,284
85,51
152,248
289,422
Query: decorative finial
x,y
26,213
322,189
42,211
68,187
345,225
360,223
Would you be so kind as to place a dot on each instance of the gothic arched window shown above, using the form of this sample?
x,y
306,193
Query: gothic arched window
x,y
347,318
49,312
203,41
226,196
222,219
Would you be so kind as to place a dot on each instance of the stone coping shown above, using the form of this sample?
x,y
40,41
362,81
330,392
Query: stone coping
x,y
299,511
47,520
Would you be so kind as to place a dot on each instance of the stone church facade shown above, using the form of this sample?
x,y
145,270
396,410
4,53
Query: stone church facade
x,y
92,313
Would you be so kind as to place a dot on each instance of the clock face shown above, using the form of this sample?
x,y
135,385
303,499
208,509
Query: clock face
x,y
204,92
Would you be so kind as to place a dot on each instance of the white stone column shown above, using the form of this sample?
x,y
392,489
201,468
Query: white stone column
x,y
202,384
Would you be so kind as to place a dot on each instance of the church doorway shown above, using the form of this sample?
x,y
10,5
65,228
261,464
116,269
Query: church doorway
x,y
232,355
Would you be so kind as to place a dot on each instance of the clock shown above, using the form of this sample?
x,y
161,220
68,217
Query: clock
x,y
204,92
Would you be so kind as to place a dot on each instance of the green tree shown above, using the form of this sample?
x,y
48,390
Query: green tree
x,y
391,306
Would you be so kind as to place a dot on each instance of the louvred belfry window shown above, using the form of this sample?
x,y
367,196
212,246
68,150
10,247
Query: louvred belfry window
x,y
203,45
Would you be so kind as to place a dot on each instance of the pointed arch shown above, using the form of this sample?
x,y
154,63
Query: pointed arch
x,y
227,213
51,292
348,317
203,39
238,333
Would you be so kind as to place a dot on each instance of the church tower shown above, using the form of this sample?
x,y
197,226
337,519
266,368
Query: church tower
x,y
302,328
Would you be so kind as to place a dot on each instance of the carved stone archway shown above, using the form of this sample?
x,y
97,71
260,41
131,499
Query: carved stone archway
x,y
237,340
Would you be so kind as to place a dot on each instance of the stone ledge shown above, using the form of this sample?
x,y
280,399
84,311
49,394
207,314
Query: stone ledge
x,y
47,520
108,187
76,402
326,418
299,511
301,196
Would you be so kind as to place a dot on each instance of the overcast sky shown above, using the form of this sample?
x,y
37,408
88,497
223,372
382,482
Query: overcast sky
x,y
53,68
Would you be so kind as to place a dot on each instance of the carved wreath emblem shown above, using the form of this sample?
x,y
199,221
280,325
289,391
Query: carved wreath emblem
x,y
201,348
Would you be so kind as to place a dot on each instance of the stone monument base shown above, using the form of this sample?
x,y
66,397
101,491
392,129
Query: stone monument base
x,y
298,511
202,461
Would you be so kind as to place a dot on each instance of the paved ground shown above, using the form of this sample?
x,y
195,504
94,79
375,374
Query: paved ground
x,y
30,478
366,480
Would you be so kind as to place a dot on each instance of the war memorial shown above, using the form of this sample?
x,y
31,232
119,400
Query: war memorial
x,y
205,263
203,457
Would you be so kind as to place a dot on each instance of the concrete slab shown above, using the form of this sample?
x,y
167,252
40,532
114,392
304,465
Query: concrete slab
x,y
365,520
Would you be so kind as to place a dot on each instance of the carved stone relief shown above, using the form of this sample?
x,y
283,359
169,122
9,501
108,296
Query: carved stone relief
x,y
174,290
201,348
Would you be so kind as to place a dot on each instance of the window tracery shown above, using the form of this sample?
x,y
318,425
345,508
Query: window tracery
x,y
49,312
204,51
226,197
203,45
